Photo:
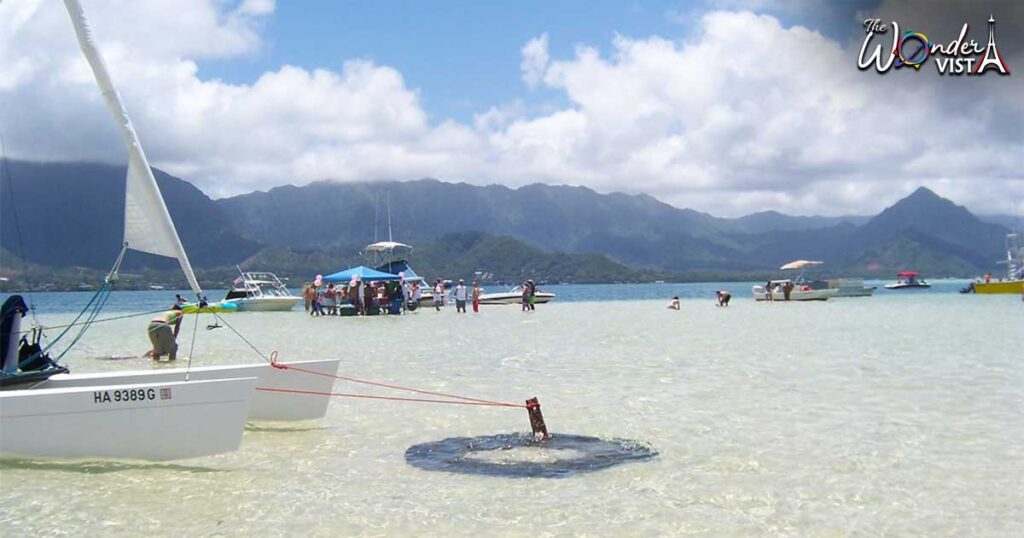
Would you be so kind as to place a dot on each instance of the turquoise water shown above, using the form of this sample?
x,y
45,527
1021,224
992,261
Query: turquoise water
x,y
127,301
899,414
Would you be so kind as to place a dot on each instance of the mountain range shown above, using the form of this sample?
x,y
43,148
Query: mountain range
x,y
60,215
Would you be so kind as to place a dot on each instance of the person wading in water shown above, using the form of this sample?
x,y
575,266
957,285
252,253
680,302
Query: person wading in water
x,y
163,334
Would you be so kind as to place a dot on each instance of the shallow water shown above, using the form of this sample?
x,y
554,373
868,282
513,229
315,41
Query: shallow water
x,y
896,414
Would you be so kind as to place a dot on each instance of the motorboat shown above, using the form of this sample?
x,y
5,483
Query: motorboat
x,y
908,280
1014,280
798,288
802,292
515,296
255,291
45,411
844,287
393,257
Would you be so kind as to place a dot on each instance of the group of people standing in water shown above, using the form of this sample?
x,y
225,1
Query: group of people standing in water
x,y
393,297
462,294
365,297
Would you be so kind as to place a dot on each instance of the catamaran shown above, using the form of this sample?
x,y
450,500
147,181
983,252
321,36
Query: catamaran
x,y
204,408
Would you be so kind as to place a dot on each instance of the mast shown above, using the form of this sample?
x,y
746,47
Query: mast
x,y
389,217
147,224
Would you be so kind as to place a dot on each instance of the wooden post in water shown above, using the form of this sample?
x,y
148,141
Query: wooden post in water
x,y
540,429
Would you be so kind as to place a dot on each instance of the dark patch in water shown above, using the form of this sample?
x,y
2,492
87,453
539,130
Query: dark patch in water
x,y
455,455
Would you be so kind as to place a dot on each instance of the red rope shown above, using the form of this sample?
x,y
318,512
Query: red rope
x,y
392,398
465,399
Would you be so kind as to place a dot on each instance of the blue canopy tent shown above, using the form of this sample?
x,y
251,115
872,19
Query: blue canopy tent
x,y
364,273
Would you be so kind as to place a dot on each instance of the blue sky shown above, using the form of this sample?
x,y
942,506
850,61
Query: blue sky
x,y
464,56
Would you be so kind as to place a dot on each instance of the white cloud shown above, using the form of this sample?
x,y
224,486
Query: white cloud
x,y
744,114
535,60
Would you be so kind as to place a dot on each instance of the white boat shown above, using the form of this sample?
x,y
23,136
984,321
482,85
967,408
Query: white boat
x,y
220,419
798,293
907,281
256,291
147,421
515,296
799,290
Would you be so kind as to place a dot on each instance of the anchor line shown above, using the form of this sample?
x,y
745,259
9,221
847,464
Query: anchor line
x,y
452,398
389,398
460,399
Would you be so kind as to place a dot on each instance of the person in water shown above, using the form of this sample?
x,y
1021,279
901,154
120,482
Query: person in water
x,y
438,294
723,297
674,303
307,296
163,334
460,297
477,291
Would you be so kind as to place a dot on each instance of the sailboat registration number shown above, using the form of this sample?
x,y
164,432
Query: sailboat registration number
x,y
123,395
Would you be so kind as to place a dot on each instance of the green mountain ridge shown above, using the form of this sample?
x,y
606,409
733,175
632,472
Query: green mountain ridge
x,y
70,215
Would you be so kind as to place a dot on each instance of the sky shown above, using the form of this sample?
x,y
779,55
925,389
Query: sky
x,y
729,107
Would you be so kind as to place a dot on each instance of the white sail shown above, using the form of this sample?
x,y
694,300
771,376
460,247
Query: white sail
x,y
147,224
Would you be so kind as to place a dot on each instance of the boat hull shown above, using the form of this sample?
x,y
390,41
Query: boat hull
x,y
907,286
265,304
1008,286
795,295
294,395
514,298
854,292
146,421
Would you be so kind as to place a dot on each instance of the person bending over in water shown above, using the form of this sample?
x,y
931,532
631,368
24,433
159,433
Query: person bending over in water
x,y
673,304
163,336
723,297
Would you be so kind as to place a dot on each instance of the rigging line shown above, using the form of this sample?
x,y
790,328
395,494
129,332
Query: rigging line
x,y
398,387
89,308
114,318
53,342
250,344
389,398
17,224
95,312
191,349
96,309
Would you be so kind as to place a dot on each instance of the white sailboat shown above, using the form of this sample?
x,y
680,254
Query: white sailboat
x,y
143,421
211,403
